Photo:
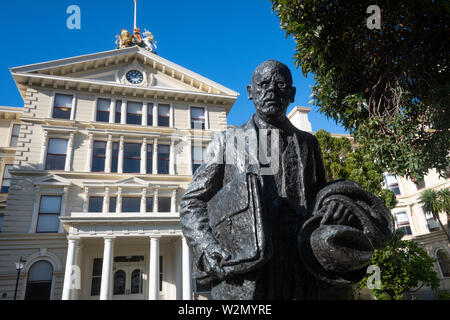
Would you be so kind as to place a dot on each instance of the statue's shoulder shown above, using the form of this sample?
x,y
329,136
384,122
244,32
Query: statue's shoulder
x,y
305,136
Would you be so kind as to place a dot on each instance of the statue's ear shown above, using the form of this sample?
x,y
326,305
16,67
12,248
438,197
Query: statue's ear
x,y
249,92
293,92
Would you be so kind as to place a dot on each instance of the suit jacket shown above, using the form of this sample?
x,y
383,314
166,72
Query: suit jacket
x,y
217,171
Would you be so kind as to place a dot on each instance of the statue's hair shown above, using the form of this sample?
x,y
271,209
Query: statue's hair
x,y
274,64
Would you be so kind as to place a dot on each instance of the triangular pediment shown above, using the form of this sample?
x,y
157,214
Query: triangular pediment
x,y
52,180
133,181
110,69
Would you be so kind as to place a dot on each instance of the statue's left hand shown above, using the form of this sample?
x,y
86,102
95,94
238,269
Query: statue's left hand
x,y
337,213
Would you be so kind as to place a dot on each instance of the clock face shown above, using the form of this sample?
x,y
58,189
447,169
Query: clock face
x,y
134,77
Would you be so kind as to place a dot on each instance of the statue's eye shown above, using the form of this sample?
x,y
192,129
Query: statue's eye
x,y
264,84
281,84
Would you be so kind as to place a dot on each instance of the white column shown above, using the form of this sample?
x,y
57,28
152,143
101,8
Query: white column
x,y
106,201
171,119
173,201
120,160
155,114
112,111
85,199
108,255
144,156
89,153
71,272
172,158
206,118
186,266
65,196
144,114
153,285
108,158
69,152
155,200
123,112
119,200
155,156
44,150
143,200
74,105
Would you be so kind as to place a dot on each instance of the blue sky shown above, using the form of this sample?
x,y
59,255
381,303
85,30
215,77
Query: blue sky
x,y
221,40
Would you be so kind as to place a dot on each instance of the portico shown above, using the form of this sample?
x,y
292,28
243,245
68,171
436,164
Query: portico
x,y
140,263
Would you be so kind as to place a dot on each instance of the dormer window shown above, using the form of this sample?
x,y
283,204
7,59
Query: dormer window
x,y
62,107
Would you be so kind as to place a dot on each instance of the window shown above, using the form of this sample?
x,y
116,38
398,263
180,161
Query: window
x,y
95,204
432,223
198,156
150,114
103,106
15,135
163,115
131,204
39,282
96,277
115,157
62,106
136,281
161,273
99,156
132,158
119,282
134,112
163,159
1,222
56,154
444,263
392,183
420,184
403,222
164,204
197,118
118,111
49,210
149,158
112,204
6,182
149,204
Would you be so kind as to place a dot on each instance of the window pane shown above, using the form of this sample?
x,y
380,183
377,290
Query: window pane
x,y
99,156
149,158
119,282
15,135
132,158
14,141
57,146
50,204
149,204
62,107
197,113
48,223
1,223
163,159
95,204
163,204
103,104
6,174
41,271
115,156
136,281
198,154
163,115
16,130
134,112
39,281
161,273
112,204
402,217
97,268
150,109
131,204
118,111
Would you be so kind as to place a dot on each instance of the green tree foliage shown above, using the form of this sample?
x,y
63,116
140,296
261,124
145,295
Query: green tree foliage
x,y
405,267
436,201
342,161
388,86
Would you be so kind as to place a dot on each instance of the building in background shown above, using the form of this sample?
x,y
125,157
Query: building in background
x,y
108,144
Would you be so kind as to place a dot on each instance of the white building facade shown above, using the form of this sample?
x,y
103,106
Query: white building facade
x,y
108,144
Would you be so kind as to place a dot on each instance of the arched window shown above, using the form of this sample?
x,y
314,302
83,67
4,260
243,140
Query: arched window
x,y
136,281
444,262
39,283
119,282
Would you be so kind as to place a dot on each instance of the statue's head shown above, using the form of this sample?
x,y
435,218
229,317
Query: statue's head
x,y
271,90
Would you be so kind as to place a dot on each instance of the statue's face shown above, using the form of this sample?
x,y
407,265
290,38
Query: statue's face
x,y
271,90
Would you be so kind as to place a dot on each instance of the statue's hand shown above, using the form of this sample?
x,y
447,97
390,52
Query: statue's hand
x,y
336,213
213,257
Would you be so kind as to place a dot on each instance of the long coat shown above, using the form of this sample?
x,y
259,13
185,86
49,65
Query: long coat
x,y
283,276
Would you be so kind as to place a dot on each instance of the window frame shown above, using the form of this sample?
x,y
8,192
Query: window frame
x,y
136,198
118,114
163,159
101,111
48,214
165,118
202,120
98,198
94,156
125,158
72,106
7,179
14,136
55,154
134,114
195,165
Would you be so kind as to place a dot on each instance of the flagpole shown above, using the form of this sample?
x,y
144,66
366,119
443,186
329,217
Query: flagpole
x,y
135,13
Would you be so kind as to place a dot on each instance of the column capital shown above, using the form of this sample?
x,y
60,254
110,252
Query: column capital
x,y
109,238
155,237
73,238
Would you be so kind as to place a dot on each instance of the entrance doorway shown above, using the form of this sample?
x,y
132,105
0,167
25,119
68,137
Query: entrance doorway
x,y
128,282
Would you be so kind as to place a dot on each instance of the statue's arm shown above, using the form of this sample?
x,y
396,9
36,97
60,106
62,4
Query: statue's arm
x,y
206,182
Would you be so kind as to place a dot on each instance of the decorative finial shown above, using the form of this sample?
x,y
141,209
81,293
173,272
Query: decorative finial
x,y
126,39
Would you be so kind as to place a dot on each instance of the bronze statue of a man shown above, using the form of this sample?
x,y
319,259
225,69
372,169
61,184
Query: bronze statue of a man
x,y
261,219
